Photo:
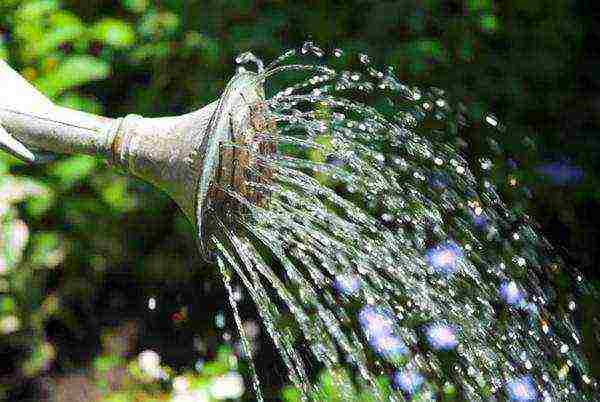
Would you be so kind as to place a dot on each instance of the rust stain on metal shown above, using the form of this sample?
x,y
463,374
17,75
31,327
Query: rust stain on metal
x,y
240,166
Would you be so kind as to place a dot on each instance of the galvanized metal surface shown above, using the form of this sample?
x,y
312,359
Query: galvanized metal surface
x,y
181,155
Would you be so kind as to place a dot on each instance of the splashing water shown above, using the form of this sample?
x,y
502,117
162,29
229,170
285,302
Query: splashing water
x,y
374,249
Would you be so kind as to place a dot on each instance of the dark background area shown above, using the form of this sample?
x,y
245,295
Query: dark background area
x,y
534,64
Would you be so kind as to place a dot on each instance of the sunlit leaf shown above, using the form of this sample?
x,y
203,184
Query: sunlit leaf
x,y
7,305
73,169
136,6
78,102
3,49
64,27
74,71
159,23
114,32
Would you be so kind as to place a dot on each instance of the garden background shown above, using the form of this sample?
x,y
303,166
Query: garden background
x,y
96,267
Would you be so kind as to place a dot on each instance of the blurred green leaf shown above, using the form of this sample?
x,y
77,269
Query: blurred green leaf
x,y
158,23
74,71
479,5
159,50
104,363
32,10
40,204
7,305
72,170
136,6
64,27
291,394
489,23
116,195
41,356
117,397
3,49
46,248
114,32
75,101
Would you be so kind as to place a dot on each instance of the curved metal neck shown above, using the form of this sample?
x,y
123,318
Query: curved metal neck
x,y
60,130
181,155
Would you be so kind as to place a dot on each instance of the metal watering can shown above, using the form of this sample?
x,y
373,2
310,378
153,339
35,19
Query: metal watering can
x,y
181,155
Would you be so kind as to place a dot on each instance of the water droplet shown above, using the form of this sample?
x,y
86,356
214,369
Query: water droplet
x,y
310,47
486,163
491,120
249,57
396,167
220,320
364,59
151,303
338,52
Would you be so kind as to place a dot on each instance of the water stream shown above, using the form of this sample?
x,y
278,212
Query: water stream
x,y
373,248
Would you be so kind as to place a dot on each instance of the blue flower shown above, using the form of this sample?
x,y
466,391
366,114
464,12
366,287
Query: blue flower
x,y
480,219
444,257
390,347
376,321
561,173
439,181
378,324
521,389
512,293
441,337
408,381
348,283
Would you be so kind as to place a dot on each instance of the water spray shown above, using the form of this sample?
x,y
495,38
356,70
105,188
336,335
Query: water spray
x,y
364,240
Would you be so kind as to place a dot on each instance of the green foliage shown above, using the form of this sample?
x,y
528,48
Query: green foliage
x,y
113,32
130,380
50,45
135,6
336,386
79,102
72,72
75,220
71,170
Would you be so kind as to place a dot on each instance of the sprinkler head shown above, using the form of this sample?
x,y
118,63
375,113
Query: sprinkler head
x,y
192,157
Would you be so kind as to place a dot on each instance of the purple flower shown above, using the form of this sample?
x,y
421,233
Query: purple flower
x,y
441,337
521,389
512,293
444,257
408,381
376,321
480,219
439,181
389,346
335,161
561,173
348,283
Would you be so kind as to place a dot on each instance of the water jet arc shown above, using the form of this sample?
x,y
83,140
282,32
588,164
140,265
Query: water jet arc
x,y
180,155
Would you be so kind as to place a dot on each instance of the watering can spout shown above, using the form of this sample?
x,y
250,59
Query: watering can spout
x,y
181,155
